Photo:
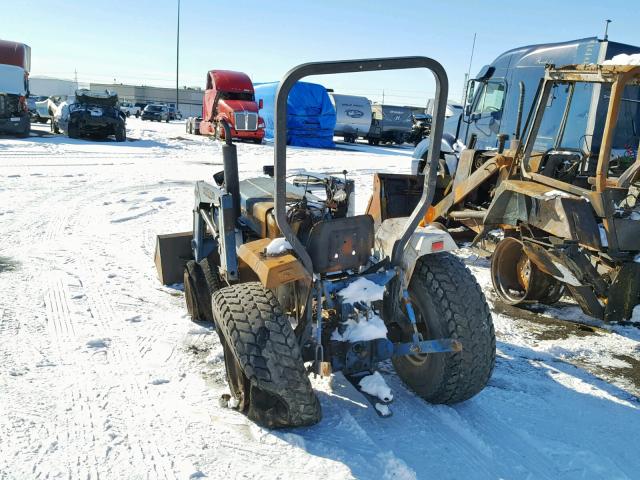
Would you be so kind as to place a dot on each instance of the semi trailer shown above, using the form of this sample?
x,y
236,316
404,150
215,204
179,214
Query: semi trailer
x,y
230,96
15,63
390,124
353,116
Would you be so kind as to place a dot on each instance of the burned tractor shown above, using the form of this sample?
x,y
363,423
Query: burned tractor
x,y
297,284
564,197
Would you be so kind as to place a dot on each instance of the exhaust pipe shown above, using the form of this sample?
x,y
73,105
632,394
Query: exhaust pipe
x,y
230,162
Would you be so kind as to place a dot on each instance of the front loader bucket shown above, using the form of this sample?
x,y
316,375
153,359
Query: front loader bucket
x,y
173,251
394,195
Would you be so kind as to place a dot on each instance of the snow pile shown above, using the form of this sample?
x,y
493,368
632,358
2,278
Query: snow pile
x,y
361,330
624,59
375,385
634,215
555,193
278,246
362,290
383,409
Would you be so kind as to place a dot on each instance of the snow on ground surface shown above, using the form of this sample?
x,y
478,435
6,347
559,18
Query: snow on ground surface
x,y
102,375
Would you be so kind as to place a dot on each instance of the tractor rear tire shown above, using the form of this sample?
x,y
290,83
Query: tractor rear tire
x,y
264,364
449,303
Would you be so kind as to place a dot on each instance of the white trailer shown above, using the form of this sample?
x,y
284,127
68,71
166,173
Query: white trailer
x,y
353,116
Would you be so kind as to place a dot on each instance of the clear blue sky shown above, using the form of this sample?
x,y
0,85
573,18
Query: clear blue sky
x,y
133,41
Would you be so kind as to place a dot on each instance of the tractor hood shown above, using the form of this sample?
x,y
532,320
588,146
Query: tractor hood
x,y
237,106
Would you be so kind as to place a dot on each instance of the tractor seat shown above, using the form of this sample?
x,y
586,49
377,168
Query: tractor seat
x,y
341,243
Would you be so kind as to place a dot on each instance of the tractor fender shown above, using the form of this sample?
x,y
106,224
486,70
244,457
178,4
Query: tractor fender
x,y
271,271
425,240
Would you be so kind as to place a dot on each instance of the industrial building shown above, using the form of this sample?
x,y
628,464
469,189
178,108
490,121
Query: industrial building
x,y
190,99
49,87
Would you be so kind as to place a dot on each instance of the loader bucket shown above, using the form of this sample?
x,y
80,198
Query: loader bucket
x,y
394,195
173,251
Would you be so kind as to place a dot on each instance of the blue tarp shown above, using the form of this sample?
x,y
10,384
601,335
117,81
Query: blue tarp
x,y
311,117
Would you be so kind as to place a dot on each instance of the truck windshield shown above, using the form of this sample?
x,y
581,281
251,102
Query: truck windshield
x,y
245,96
153,108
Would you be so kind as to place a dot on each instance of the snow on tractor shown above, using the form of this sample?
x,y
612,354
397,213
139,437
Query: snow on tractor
x,y
296,284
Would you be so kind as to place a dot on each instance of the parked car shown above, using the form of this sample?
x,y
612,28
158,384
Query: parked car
x,y
33,113
192,125
91,113
156,113
129,109
47,107
174,114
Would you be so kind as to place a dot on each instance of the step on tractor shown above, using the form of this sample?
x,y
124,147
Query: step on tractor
x,y
296,284
560,204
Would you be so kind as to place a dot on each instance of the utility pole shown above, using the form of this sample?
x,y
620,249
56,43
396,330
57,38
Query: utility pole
x,y
468,74
606,29
178,58
76,78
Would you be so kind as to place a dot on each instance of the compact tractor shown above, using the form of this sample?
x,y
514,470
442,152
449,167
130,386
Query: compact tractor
x,y
561,201
296,284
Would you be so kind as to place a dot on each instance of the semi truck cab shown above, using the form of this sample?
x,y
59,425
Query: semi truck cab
x,y
501,96
15,62
230,96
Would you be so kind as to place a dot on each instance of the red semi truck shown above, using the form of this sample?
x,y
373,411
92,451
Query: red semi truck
x,y
15,62
230,96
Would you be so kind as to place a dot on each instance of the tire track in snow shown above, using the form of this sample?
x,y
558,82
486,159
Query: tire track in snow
x,y
138,398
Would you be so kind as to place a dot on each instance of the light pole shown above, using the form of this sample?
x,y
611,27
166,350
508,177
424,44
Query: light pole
x,y
178,58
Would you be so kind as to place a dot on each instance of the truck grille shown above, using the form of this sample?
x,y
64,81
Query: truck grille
x,y
246,121
9,105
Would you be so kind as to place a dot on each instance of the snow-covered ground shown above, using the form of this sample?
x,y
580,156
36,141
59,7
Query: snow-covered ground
x,y
102,375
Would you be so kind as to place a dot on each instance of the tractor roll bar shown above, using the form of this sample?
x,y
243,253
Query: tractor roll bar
x,y
350,66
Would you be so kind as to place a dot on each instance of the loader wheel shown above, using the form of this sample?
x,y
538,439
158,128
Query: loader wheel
x,y
517,280
211,277
264,365
196,293
449,303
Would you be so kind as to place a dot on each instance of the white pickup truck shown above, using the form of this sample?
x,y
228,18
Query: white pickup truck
x,y
129,109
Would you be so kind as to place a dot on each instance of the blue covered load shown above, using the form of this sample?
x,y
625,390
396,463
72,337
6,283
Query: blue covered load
x,y
311,117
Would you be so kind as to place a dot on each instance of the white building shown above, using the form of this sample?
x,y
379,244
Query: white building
x,y
190,99
48,86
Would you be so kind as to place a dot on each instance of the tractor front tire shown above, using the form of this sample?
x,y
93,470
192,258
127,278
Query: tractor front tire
x,y
449,303
196,292
265,370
